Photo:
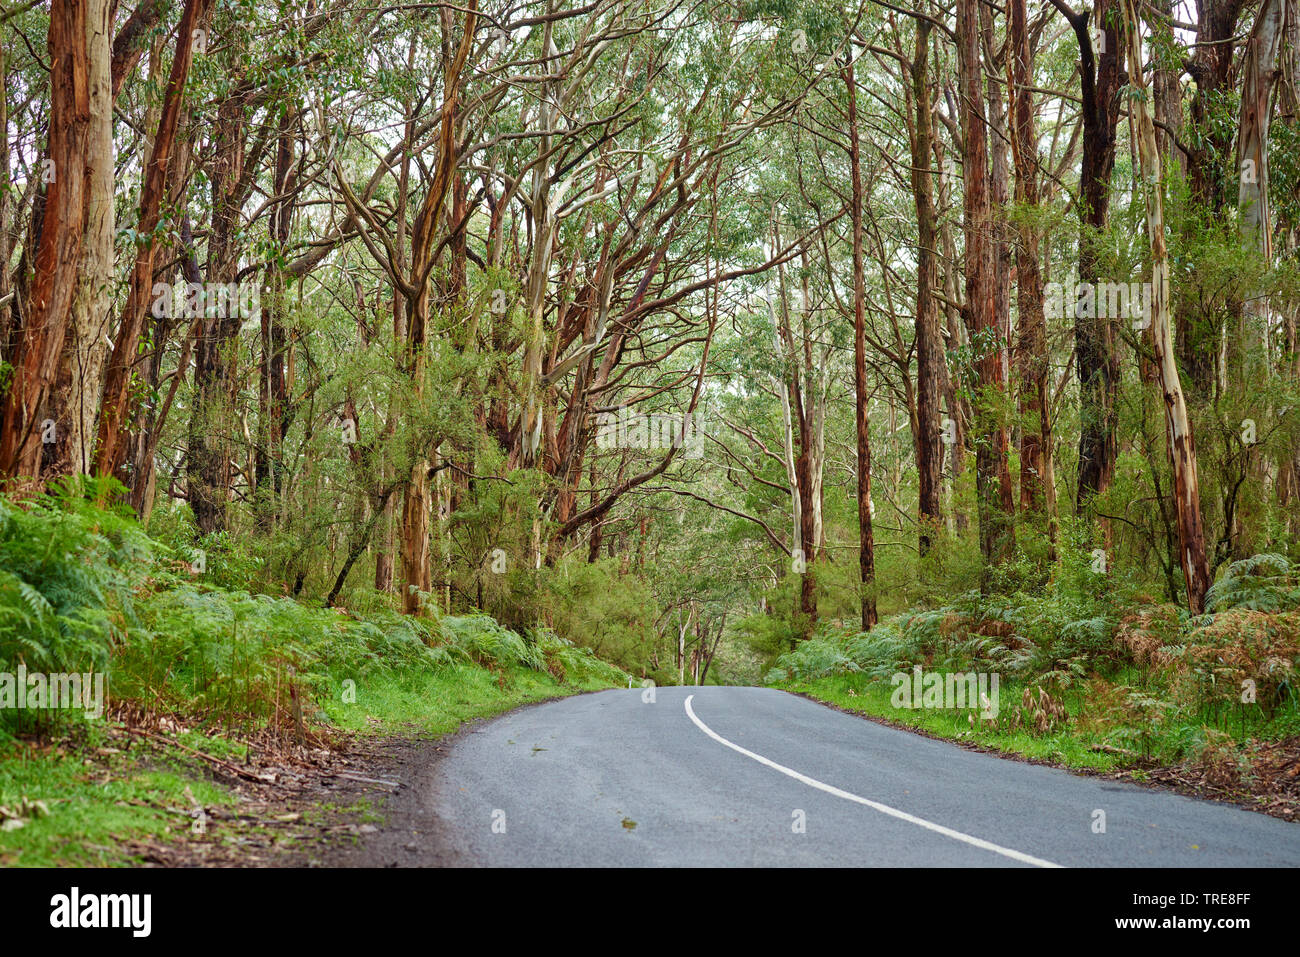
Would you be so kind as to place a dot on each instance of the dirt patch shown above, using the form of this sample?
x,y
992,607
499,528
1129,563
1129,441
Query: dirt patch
x,y
356,803
344,801
411,833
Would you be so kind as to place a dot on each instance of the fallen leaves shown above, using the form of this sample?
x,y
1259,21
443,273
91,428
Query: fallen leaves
x,y
1269,780
16,816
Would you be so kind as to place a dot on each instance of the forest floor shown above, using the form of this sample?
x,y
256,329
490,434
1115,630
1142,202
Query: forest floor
x,y
319,807
146,790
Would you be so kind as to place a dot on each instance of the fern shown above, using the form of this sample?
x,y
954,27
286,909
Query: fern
x,y
1264,582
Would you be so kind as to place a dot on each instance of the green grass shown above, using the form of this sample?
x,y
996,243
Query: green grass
x,y
95,803
438,702
361,811
99,796
83,588
1066,747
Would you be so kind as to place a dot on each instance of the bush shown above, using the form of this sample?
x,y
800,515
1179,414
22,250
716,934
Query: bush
x,y
67,577
1264,582
83,588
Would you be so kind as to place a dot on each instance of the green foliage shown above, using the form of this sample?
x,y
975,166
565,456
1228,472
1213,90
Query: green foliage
x,y
1265,582
67,574
814,658
85,589
236,655
767,635
485,641
1184,687
611,613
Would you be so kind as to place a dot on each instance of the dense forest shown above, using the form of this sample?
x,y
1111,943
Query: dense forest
x,y
729,341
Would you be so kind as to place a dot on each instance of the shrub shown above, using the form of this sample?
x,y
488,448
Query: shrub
x,y
84,588
67,577
1263,582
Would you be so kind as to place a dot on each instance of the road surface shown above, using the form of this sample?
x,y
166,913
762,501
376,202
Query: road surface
x,y
712,776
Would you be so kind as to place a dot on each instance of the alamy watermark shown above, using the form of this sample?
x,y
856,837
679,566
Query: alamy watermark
x,y
70,691
1099,300
76,910
626,429
951,690
215,300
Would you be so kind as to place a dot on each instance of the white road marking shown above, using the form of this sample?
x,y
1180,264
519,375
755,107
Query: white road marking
x,y
874,805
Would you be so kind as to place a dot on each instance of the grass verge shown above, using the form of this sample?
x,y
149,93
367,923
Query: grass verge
x,y
105,798
862,695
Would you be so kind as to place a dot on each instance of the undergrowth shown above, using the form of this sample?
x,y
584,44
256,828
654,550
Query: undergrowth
x,y
83,589
1119,673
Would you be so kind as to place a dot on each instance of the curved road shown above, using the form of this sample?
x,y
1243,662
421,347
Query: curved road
x,y
756,777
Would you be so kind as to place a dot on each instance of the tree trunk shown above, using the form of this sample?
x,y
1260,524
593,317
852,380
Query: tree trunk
x,y
1201,332
1166,86
55,278
212,418
1259,74
960,417
862,403
77,404
1031,343
992,472
414,535
273,397
1095,358
111,445
929,338
999,194
1178,429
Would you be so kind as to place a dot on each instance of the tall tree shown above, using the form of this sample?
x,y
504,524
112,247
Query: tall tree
x,y
110,446
78,74
1095,356
1178,428
930,372
1037,494
861,392
992,441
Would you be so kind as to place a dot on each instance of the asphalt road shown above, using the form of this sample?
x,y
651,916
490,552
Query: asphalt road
x,y
756,777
